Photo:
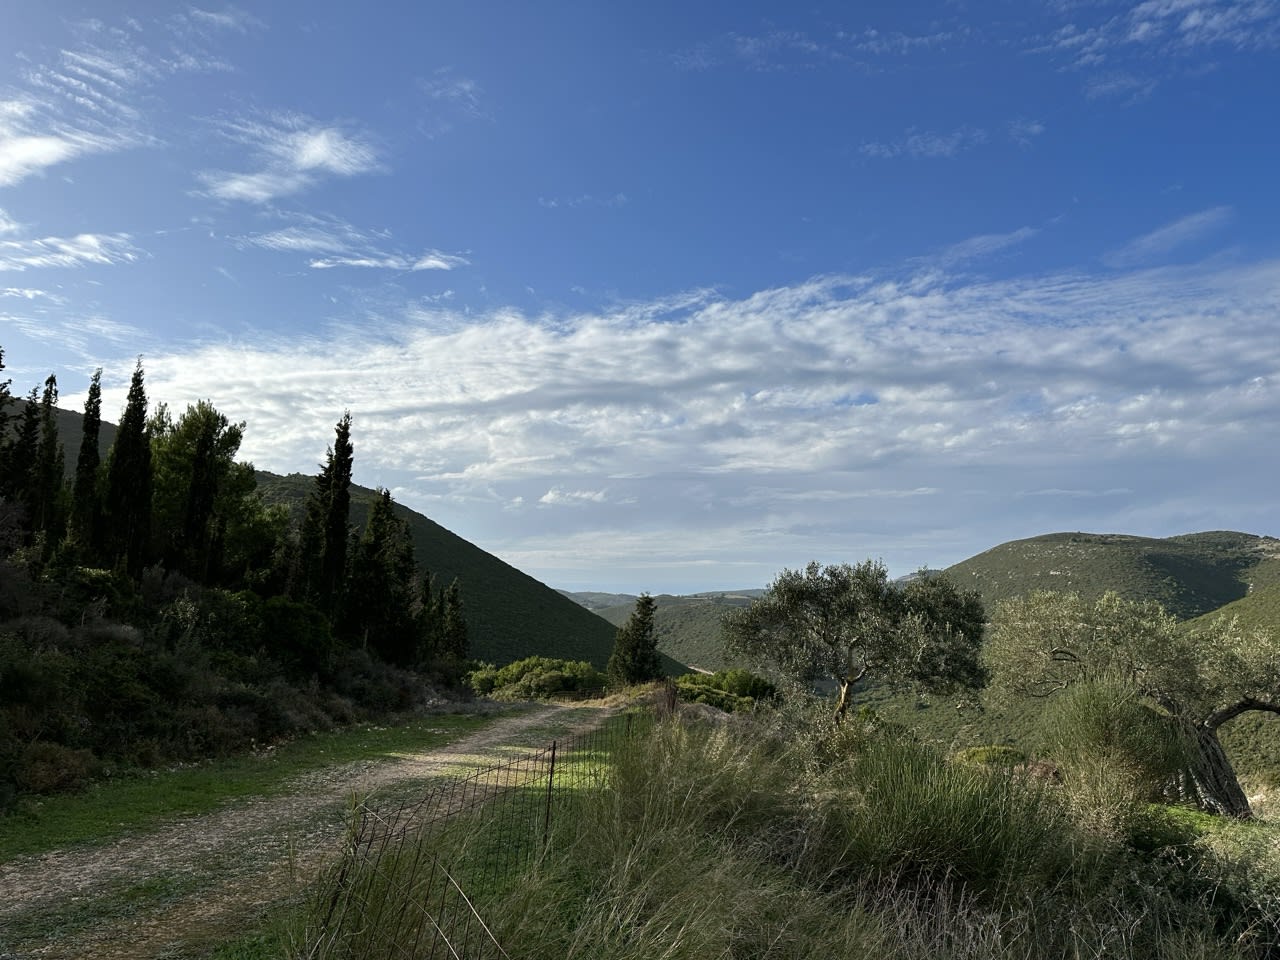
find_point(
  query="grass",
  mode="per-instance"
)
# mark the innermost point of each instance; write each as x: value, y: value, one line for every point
x: 735, y: 841
x: 117, y: 902
x: 109, y: 809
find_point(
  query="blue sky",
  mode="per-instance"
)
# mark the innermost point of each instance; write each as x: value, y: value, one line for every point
x: 670, y: 296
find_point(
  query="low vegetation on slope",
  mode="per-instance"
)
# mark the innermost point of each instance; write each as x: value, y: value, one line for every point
x: 1188, y: 575
x: 763, y: 838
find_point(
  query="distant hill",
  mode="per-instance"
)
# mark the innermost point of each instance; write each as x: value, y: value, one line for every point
x: 688, y: 627
x: 510, y: 615
x: 594, y: 600
x: 1190, y: 574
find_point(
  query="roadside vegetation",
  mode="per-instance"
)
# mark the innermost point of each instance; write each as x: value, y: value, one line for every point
x: 776, y: 835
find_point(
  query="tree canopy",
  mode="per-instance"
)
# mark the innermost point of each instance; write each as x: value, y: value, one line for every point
x: 847, y: 623
x: 635, y: 649
x: 1046, y: 642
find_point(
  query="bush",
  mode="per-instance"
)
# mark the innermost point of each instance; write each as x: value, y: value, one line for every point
x: 728, y: 690
x: 1116, y: 752
x: 45, y: 767
x: 535, y: 678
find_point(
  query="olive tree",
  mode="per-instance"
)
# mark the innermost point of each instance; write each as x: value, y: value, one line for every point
x: 1046, y: 642
x: 850, y: 623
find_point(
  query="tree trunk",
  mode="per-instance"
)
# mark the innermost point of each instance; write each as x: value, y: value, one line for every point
x: 842, y: 706
x: 1212, y: 781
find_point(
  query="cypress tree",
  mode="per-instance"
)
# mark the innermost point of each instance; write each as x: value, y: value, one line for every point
x: 635, y: 650
x: 325, y: 528
x: 20, y: 459
x: 127, y: 503
x: 4, y: 419
x: 46, y: 479
x: 379, y: 594
x: 453, y: 629
x: 86, y: 505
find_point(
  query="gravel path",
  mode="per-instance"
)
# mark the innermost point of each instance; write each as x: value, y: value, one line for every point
x: 200, y: 880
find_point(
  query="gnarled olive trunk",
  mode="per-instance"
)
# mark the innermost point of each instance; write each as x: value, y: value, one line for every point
x: 1211, y: 781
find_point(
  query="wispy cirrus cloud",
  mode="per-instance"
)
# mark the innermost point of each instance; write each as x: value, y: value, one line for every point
x: 1164, y: 240
x: 228, y: 18
x: 293, y: 153
x: 1023, y: 131
x: 88, y: 98
x: 336, y: 243
x: 929, y: 144
x: 985, y: 245
x: 950, y: 393
x: 84, y: 249
x: 779, y: 49
x: 1119, y: 52
x: 584, y: 200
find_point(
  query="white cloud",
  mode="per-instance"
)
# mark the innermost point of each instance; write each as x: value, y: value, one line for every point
x: 77, y: 251
x: 294, y: 153
x: 985, y: 245
x: 926, y: 143
x: 1164, y: 240
x: 807, y: 417
x: 230, y: 18
x: 8, y: 224
x: 448, y: 88
x: 87, y: 100
x: 584, y: 200
x: 1024, y: 131
x: 558, y: 497
x: 346, y: 246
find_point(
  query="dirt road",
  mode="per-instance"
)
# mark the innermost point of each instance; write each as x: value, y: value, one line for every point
x: 179, y: 890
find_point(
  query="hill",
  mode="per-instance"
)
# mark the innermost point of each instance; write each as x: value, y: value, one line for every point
x: 688, y: 627
x: 510, y: 615
x: 1190, y: 574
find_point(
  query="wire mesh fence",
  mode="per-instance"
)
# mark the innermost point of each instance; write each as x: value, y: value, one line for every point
x: 398, y: 891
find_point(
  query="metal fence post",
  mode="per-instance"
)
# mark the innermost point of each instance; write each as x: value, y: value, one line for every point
x: 551, y: 776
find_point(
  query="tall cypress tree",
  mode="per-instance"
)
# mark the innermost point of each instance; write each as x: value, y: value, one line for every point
x: 326, y: 526
x: 127, y: 502
x: 86, y: 504
x: 20, y: 454
x: 4, y: 416
x: 453, y: 631
x: 46, y: 493
x: 379, y: 593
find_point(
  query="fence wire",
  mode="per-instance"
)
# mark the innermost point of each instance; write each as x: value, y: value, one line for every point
x: 391, y: 896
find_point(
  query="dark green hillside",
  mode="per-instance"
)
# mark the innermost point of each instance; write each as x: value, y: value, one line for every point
x: 1260, y: 607
x: 688, y: 628
x: 1190, y: 574
x: 510, y: 615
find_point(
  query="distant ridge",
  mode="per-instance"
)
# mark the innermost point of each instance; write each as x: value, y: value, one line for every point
x: 1190, y: 575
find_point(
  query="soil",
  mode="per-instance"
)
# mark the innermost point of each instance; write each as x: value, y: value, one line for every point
x: 206, y: 879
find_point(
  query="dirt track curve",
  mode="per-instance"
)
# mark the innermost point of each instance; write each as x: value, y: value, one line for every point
x: 203, y: 879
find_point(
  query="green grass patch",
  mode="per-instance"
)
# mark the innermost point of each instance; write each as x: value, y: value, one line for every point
x: 109, y: 809
x: 65, y: 920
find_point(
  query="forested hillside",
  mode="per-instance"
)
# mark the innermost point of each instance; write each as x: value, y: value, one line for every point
x: 160, y: 600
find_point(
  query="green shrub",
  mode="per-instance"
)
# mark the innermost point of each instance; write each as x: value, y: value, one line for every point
x: 728, y: 690
x: 45, y: 767
x: 535, y: 678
